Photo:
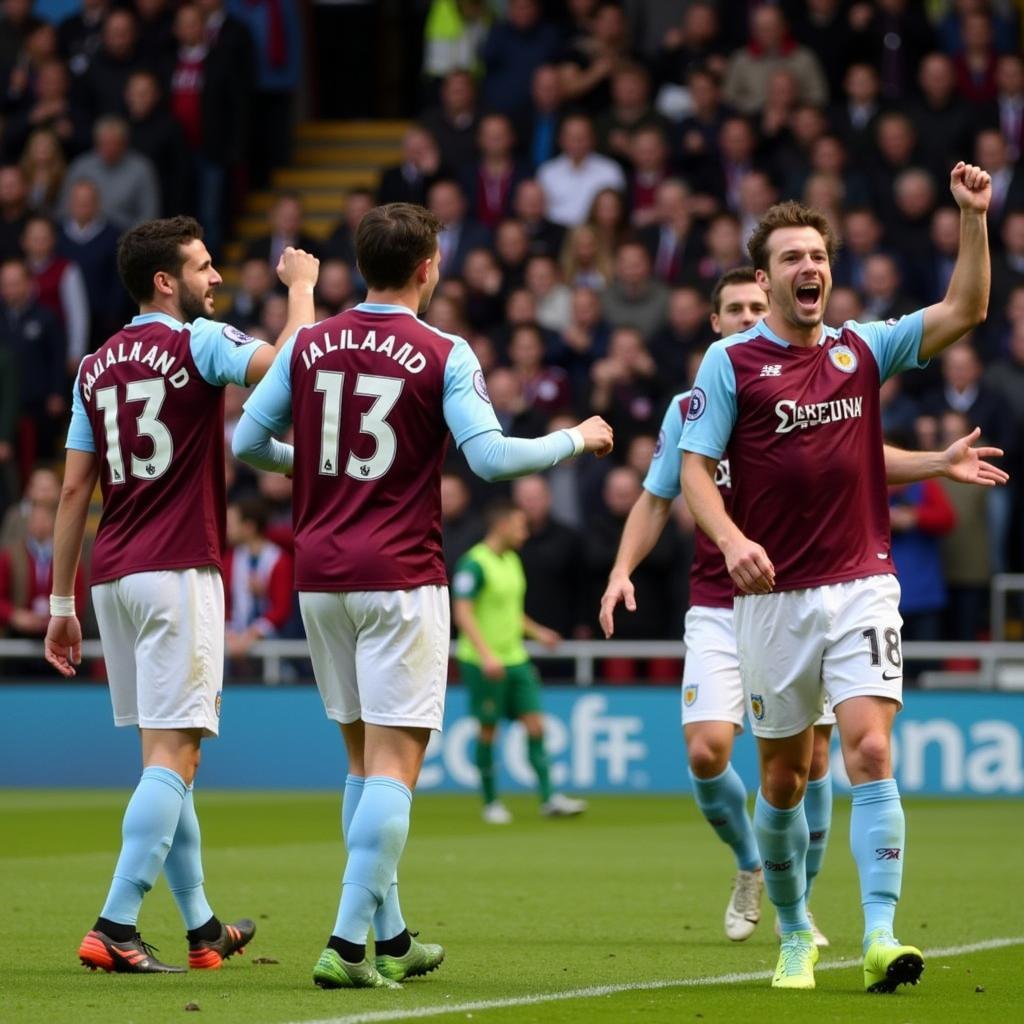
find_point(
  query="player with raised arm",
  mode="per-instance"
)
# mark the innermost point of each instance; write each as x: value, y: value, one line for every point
x: 712, y: 691
x: 148, y: 421
x: 795, y: 405
x: 373, y: 394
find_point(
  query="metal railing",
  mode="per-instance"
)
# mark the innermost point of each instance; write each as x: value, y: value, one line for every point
x: 1000, y: 663
x: 1003, y: 584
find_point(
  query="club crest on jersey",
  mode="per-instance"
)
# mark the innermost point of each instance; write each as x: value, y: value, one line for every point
x: 757, y: 706
x: 843, y: 358
x: 690, y: 695
x: 480, y: 386
x: 698, y: 403
x: 660, y: 446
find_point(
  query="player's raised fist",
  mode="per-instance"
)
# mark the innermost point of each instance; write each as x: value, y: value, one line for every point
x: 296, y: 266
x: 971, y: 187
x: 597, y: 436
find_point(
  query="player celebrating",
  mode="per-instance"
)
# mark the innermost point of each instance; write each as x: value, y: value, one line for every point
x: 795, y: 404
x: 148, y: 420
x: 489, y: 587
x: 712, y: 691
x: 373, y: 393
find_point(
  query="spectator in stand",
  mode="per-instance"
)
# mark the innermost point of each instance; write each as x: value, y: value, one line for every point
x: 771, y: 47
x: 447, y: 314
x: 757, y: 193
x: 32, y: 333
x: 630, y: 112
x: 257, y: 579
x: 893, y: 36
x: 514, y: 48
x: 539, y: 125
x: 490, y: 182
x: 572, y: 180
x: 780, y: 100
x: 516, y: 416
x: 627, y: 386
x: 461, y: 527
x: 17, y: 22
x: 649, y: 160
x: 335, y: 289
x: 530, y: 206
x: 103, y: 85
x: 724, y: 250
x: 945, y: 121
x: 59, y: 286
x: 454, y: 31
x: 693, y: 42
x: 931, y: 276
x: 698, y: 131
x: 454, y: 123
x: 14, y: 210
x: 551, y: 295
x: 685, y: 333
x: 855, y: 118
x: 285, y: 222
x: 829, y: 156
x: 976, y: 63
x: 512, y: 248
x: 460, y: 235
x: 26, y: 576
x: 43, y: 167
x: 915, y: 194
x: 545, y: 388
x: 553, y: 560
x: 1008, y: 264
x: 824, y: 31
x: 845, y: 304
x: 719, y: 179
x: 896, y: 152
x: 483, y: 278
x: 635, y: 298
x: 79, y: 36
x: 41, y: 487
x: 1006, y: 111
x: 583, y: 339
x: 156, y: 133
x: 341, y: 243
x: 825, y: 193
x: 609, y: 217
x: 89, y: 241
x: 421, y: 166
x: 127, y: 182
x: 585, y: 262
x: 884, y: 298
x: 50, y: 108
x: 993, y: 155
x: 594, y: 58
x: 155, y: 33
x: 900, y: 412
x: 862, y: 237
x: 255, y: 286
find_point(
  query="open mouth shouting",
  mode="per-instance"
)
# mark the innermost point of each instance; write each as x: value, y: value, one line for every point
x: 808, y: 295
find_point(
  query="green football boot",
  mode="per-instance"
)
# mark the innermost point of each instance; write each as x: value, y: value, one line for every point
x: 333, y: 972
x: 887, y: 964
x: 419, y: 958
x: 797, y: 956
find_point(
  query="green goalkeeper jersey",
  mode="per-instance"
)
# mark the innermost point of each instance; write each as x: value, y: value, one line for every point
x: 496, y: 584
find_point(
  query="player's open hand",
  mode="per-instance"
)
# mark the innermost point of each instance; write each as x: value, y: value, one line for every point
x: 63, y: 645
x: 750, y: 567
x: 597, y: 436
x: 296, y: 266
x: 971, y: 187
x: 620, y: 588
x: 967, y: 465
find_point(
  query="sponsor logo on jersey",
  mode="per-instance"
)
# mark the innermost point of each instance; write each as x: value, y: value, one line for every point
x: 771, y: 370
x: 237, y: 337
x: 660, y: 446
x: 816, y: 414
x: 757, y: 706
x: 887, y: 853
x: 698, y: 403
x: 690, y: 695
x: 843, y: 358
x: 480, y: 385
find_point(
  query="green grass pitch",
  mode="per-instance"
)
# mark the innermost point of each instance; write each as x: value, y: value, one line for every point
x: 631, y: 894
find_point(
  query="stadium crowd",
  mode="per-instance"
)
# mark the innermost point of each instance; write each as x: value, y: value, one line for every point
x: 598, y: 166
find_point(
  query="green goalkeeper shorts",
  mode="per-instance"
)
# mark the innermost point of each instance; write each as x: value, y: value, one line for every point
x: 512, y: 697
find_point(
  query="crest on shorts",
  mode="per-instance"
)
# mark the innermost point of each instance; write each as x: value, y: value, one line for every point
x: 690, y: 695
x: 216, y: 703
x: 843, y: 358
x: 757, y: 706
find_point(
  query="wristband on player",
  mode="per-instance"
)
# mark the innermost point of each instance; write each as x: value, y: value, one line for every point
x: 62, y: 606
x: 576, y: 436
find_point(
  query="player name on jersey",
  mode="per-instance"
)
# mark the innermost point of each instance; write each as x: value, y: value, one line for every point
x: 162, y: 361
x: 345, y: 339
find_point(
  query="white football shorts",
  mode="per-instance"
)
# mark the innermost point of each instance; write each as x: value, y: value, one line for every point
x: 163, y: 644
x: 380, y: 655
x: 799, y: 648
x: 712, y: 688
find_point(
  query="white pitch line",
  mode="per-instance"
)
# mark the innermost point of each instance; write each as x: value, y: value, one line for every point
x: 418, y: 1012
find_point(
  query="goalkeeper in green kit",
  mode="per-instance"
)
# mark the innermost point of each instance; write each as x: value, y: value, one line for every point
x: 489, y: 587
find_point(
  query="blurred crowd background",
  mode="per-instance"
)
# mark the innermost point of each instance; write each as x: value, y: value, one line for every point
x: 598, y: 166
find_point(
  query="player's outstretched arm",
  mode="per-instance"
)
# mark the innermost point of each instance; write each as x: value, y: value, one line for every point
x: 965, y: 304
x: 298, y: 271
x: 253, y: 443
x: 63, y: 644
x: 643, y: 527
x: 748, y: 563
x: 960, y: 461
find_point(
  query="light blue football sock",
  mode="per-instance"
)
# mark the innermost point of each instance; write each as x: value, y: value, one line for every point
x: 376, y: 838
x: 877, y: 839
x: 782, y: 839
x: 147, y: 831
x: 723, y: 802
x: 388, y: 921
x: 183, y: 868
x: 818, y: 808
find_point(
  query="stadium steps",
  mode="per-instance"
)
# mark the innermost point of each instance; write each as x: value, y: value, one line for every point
x: 329, y: 159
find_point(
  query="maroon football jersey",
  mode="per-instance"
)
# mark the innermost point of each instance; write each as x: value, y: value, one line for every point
x: 368, y: 394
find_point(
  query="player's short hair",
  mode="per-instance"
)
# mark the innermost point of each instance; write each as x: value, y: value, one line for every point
x: 788, y: 215
x: 152, y: 247
x: 391, y: 242
x: 738, y: 275
x: 499, y: 510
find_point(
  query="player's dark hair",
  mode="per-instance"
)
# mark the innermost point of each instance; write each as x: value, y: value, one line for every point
x: 738, y: 275
x: 392, y: 241
x: 151, y: 248
x: 498, y: 510
x: 788, y: 215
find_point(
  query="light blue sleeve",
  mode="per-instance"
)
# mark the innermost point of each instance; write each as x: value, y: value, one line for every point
x: 467, y: 406
x: 662, y: 478
x: 221, y: 352
x: 493, y: 456
x: 270, y: 403
x: 895, y: 344
x: 80, y: 431
x: 252, y: 443
x: 713, y: 406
